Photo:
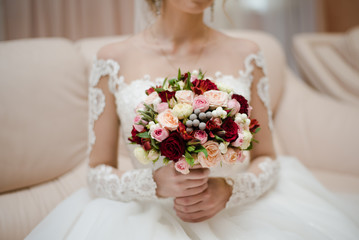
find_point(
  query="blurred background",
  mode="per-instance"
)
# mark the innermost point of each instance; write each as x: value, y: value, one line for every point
x: 75, y: 19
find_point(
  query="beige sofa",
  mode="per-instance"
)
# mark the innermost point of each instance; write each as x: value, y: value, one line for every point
x: 43, y: 119
x: 329, y: 62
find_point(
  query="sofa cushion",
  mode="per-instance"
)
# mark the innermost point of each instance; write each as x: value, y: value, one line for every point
x: 320, y: 131
x: 43, y: 111
x: 22, y: 210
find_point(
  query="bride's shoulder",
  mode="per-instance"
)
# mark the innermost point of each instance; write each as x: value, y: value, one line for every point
x: 237, y: 45
x: 119, y: 50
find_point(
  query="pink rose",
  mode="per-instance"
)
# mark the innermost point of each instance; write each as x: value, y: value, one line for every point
x: 216, y: 98
x: 184, y: 96
x: 152, y: 98
x: 182, y: 166
x: 200, y: 102
x: 234, y: 105
x: 161, y: 107
x: 239, y: 141
x: 137, y: 124
x: 230, y: 156
x: 214, y: 155
x: 168, y: 120
x: 201, y: 135
x: 160, y: 134
x: 240, y: 156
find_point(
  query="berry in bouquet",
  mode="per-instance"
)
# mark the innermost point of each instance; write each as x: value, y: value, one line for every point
x: 192, y: 120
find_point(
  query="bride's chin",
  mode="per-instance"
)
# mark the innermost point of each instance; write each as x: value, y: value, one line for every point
x: 192, y: 6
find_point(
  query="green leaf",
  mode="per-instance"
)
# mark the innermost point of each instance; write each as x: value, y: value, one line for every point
x: 219, y: 138
x: 143, y: 135
x: 249, y: 147
x: 200, y: 74
x: 159, y: 90
x: 191, y: 148
x: 189, y: 158
x: 202, y: 149
x: 179, y: 74
x: 257, y: 130
x: 164, y: 82
x: 154, y: 145
x: 166, y: 160
x: 188, y: 84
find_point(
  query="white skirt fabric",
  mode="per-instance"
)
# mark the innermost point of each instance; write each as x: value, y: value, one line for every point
x: 298, y: 207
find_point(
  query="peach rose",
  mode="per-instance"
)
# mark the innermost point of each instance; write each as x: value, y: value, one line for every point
x: 168, y: 120
x: 214, y: 155
x: 240, y: 155
x: 184, y: 96
x: 231, y: 156
x: 216, y: 98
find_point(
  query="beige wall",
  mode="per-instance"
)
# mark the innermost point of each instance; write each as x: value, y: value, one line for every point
x: 72, y: 19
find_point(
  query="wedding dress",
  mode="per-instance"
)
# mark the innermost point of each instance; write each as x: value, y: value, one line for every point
x: 284, y: 202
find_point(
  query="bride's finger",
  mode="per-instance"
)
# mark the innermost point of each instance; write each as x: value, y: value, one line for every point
x: 190, y: 200
x: 199, y: 173
x: 193, y: 191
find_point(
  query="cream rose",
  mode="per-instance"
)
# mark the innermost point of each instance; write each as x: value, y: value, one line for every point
x: 184, y: 96
x: 224, y: 88
x: 141, y: 155
x: 168, y: 120
x: 214, y: 155
x: 216, y: 98
x: 182, y: 110
x: 153, y: 155
x: 247, y: 138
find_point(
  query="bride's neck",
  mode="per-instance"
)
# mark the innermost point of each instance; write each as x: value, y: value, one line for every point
x: 179, y: 27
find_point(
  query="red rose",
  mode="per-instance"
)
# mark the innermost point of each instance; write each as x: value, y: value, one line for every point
x: 150, y: 90
x: 173, y: 147
x: 201, y: 86
x: 134, y: 138
x: 166, y: 95
x: 231, y: 129
x: 243, y: 101
x: 254, y: 125
x: 146, y: 144
x: 214, y: 124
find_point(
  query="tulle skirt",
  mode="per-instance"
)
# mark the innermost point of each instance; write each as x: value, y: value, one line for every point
x: 297, y: 207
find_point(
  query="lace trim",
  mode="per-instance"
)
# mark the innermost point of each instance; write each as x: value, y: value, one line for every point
x: 132, y: 185
x: 247, y: 187
x: 263, y: 93
x: 263, y: 84
x: 96, y: 96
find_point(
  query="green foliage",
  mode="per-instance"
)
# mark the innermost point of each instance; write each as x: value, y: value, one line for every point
x: 201, y: 149
x: 143, y: 135
x: 189, y: 158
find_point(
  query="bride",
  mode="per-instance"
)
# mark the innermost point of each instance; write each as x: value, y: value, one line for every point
x: 252, y: 200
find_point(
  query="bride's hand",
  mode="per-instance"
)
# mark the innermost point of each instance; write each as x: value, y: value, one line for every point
x: 206, y: 204
x: 171, y: 183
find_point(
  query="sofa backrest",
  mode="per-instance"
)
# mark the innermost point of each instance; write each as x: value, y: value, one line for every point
x: 43, y: 111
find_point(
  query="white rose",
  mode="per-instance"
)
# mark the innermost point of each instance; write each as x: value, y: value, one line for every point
x: 141, y: 155
x: 181, y: 84
x: 223, y: 147
x: 182, y: 110
x: 150, y: 125
x: 247, y: 137
x: 224, y: 88
x: 153, y: 155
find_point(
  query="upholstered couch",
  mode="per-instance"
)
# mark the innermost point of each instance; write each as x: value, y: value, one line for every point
x: 329, y: 62
x: 43, y: 119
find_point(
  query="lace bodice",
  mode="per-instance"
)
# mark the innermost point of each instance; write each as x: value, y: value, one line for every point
x: 128, y: 96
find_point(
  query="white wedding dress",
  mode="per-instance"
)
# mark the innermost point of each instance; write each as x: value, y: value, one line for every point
x: 284, y: 202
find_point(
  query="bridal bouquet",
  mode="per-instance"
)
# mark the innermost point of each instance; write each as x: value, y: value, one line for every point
x: 191, y: 120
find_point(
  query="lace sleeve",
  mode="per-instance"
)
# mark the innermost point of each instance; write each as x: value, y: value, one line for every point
x: 104, y: 180
x: 262, y: 172
x: 248, y: 186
